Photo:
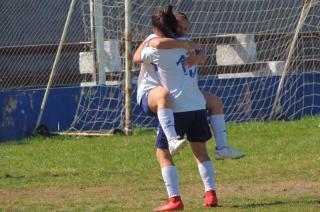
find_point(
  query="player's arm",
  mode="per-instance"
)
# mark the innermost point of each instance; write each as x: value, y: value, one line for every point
x: 194, y: 60
x: 137, y: 54
x: 148, y: 55
x: 169, y: 43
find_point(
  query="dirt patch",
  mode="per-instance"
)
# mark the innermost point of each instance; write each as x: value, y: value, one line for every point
x: 246, y: 189
x: 115, y: 195
x: 286, y: 187
x: 57, y: 194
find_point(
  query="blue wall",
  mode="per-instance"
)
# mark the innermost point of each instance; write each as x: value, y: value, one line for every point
x: 20, y: 108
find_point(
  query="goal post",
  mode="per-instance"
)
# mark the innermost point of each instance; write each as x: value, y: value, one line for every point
x: 128, y: 67
x: 97, y: 29
x: 276, y: 108
x: 55, y: 63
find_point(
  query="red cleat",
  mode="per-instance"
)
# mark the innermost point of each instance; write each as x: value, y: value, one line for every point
x: 172, y: 204
x: 211, y: 199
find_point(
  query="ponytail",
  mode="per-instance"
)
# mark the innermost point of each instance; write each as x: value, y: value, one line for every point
x: 165, y: 21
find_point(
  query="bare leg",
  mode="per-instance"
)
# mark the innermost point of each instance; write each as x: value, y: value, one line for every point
x: 159, y: 98
x: 213, y: 104
x: 164, y: 158
x: 159, y: 102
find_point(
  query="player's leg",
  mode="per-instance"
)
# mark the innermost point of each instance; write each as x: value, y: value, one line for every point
x: 160, y: 103
x: 206, y: 171
x: 217, y: 122
x: 198, y: 137
x: 169, y: 174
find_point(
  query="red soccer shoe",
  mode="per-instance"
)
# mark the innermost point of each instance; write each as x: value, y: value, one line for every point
x: 172, y: 204
x: 211, y: 199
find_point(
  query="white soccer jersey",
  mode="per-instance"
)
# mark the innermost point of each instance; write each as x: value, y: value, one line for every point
x: 181, y: 81
x: 148, y: 78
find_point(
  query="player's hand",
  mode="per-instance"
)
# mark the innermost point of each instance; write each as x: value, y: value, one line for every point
x: 190, y: 46
x: 192, y: 60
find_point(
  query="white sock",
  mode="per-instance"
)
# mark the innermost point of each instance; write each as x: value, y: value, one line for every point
x: 218, y: 125
x: 170, y: 177
x: 166, y: 120
x: 206, y: 171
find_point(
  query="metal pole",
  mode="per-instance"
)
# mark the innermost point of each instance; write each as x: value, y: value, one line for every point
x: 56, y: 61
x: 305, y: 10
x: 128, y: 65
x: 93, y: 41
x: 99, y: 38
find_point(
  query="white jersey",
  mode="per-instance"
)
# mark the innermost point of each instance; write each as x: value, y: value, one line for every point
x: 182, y: 82
x: 148, y: 78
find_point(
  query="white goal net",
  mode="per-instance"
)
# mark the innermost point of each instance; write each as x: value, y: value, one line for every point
x: 249, y: 44
x: 263, y: 57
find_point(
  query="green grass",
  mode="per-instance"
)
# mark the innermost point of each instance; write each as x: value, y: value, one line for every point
x: 281, y: 171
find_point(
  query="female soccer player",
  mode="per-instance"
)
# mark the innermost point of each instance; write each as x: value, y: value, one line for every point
x: 189, y: 109
x: 153, y: 98
x: 214, y: 104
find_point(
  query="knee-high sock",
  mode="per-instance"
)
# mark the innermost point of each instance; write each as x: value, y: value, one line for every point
x: 206, y: 171
x: 218, y: 125
x: 166, y: 120
x: 170, y: 177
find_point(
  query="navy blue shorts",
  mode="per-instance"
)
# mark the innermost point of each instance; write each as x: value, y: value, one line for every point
x: 192, y: 123
x: 144, y: 104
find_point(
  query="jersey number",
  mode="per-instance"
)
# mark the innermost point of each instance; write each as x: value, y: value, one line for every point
x: 190, y: 72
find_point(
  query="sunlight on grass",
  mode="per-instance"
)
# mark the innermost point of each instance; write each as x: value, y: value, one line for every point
x: 280, y: 171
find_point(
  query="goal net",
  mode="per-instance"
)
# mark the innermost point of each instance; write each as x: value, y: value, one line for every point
x: 249, y: 44
x: 263, y: 55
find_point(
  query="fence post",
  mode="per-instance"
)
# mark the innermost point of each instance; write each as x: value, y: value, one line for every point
x: 128, y: 65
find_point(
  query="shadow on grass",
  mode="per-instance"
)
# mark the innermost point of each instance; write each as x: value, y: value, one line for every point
x: 8, y: 175
x: 277, y: 203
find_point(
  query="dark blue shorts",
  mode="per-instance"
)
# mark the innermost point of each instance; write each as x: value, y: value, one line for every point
x: 144, y: 104
x: 192, y: 123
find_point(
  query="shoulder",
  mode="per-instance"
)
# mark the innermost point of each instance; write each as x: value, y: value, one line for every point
x: 149, y: 53
x: 150, y: 37
x: 149, y: 49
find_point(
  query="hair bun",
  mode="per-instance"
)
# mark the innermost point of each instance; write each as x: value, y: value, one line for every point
x: 168, y: 9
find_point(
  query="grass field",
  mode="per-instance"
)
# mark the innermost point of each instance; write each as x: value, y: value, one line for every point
x: 281, y: 172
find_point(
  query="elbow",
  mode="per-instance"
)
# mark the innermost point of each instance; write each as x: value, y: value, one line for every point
x: 155, y: 43
x: 136, y: 58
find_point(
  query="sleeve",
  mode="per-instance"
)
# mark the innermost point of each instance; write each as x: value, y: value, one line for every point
x: 151, y: 36
x: 149, y: 55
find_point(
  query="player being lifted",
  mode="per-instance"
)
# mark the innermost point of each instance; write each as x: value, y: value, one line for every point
x: 154, y: 99
x: 188, y: 105
x: 214, y: 104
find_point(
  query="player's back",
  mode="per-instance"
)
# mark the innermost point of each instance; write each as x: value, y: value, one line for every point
x: 179, y: 80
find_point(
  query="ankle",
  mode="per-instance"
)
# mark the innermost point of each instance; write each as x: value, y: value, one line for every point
x: 175, y: 198
x: 220, y: 147
x: 211, y: 193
